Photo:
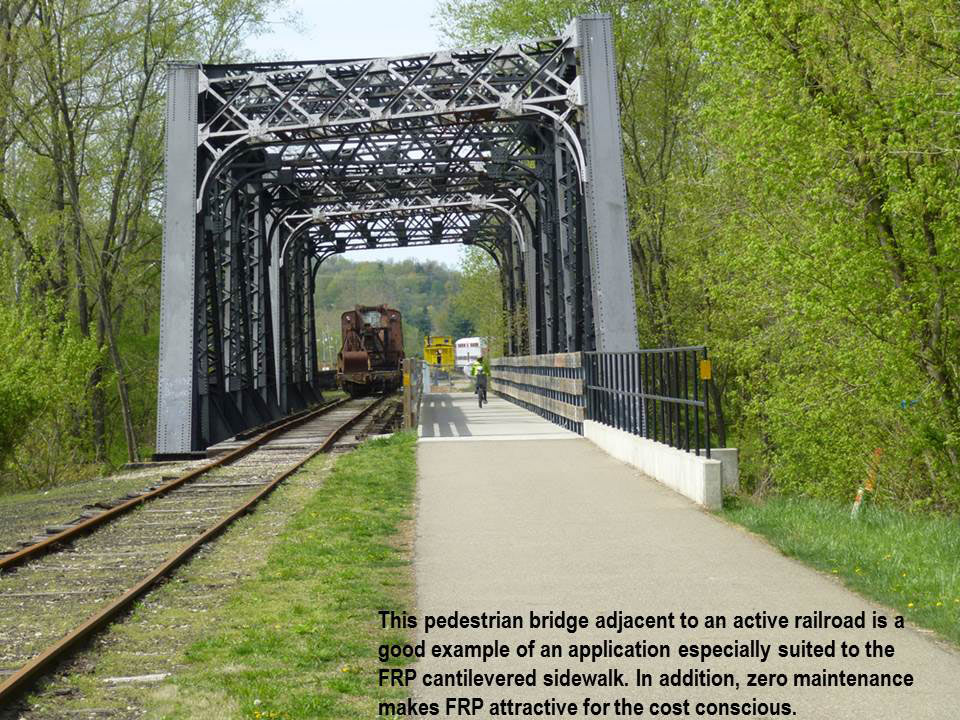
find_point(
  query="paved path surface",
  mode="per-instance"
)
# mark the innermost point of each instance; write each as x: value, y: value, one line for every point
x: 453, y: 416
x: 520, y: 525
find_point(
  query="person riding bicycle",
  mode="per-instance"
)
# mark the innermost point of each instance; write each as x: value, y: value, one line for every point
x: 481, y: 385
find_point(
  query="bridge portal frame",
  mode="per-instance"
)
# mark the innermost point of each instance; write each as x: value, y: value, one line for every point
x: 237, y: 341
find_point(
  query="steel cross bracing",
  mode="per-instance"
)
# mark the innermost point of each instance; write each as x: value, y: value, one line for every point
x: 273, y: 167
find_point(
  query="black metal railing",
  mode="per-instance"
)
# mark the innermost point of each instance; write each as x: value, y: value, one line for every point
x: 660, y: 394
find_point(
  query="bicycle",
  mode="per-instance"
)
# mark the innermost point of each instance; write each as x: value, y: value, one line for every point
x: 481, y: 395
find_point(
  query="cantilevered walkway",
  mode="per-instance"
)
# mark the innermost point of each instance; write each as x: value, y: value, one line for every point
x: 511, y: 522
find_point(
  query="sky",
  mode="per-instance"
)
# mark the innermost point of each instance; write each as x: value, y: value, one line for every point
x: 332, y: 29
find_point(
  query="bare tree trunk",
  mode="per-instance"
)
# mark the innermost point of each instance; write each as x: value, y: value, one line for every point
x: 59, y: 205
x: 123, y: 388
x: 98, y: 402
x: 97, y: 398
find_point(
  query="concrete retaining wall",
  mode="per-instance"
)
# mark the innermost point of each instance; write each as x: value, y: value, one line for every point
x: 696, y: 477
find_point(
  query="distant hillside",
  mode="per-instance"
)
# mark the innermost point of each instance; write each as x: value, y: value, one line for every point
x: 421, y: 291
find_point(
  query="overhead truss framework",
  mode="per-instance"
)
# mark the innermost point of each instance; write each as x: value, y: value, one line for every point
x: 273, y: 167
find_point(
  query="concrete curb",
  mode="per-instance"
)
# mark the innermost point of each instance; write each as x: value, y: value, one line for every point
x: 703, y: 481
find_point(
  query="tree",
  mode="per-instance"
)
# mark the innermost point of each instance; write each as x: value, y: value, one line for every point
x: 96, y: 75
x: 82, y: 98
x: 480, y: 300
x: 835, y: 134
x: 30, y: 355
x: 792, y: 184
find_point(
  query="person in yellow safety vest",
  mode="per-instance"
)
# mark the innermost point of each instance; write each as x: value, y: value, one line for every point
x: 480, y: 384
x: 478, y: 366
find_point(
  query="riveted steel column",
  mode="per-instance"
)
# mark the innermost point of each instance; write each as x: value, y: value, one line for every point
x: 175, y: 386
x: 276, y: 303
x: 566, y: 181
x: 605, y: 189
x: 532, y: 278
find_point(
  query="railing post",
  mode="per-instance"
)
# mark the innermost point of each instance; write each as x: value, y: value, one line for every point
x: 585, y: 380
x: 686, y: 398
x: 617, y: 392
x: 412, y: 392
x: 624, y: 398
x: 644, y: 388
x: 696, y: 410
x: 706, y: 406
x: 605, y: 384
x: 676, y: 394
x: 407, y: 415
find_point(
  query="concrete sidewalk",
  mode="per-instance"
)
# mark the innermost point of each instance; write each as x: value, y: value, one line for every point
x: 521, y: 525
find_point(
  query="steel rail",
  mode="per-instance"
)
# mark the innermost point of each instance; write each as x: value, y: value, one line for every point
x: 20, y: 681
x: 47, y: 545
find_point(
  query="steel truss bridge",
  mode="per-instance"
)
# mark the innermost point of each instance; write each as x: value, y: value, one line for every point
x: 273, y: 167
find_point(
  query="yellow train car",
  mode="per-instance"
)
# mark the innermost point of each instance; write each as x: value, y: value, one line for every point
x: 439, y: 350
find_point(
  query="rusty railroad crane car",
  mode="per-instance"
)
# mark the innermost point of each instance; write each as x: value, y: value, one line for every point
x: 371, y: 356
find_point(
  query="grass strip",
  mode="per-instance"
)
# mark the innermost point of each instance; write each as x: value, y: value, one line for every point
x: 300, y: 639
x: 907, y: 561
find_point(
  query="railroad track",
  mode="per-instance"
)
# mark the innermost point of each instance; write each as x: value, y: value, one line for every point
x: 56, y: 593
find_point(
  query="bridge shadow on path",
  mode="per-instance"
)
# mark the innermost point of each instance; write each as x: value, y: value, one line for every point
x: 457, y: 416
x: 440, y: 417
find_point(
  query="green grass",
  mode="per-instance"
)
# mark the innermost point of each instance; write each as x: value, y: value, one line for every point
x: 300, y: 639
x: 908, y: 561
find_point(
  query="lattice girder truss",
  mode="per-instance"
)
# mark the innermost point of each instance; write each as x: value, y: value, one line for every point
x: 273, y: 167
